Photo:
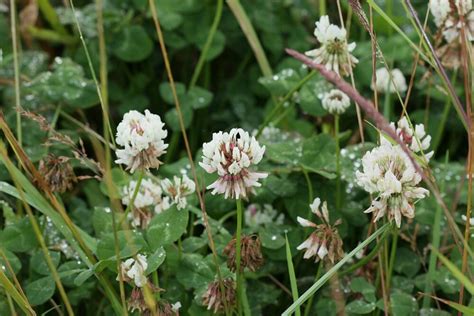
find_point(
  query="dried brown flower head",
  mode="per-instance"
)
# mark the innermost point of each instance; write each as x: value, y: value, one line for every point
x: 324, y: 242
x: 215, y: 300
x: 137, y: 301
x: 250, y: 253
x: 57, y: 172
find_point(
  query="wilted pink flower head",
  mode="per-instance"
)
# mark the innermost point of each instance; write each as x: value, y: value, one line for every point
x: 231, y: 155
x: 325, y: 241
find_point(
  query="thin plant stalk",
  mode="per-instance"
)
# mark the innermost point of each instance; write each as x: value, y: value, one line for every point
x: 310, y: 187
x: 387, y: 104
x: 238, y: 246
x: 351, y: 73
x: 251, y: 36
x: 393, y: 253
x: 435, y: 243
x: 271, y: 116
x: 134, y: 196
x: 94, y: 77
x: 292, y: 275
x: 322, y: 7
x: 156, y: 282
x: 338, y: 162
x: 207, y: 45
x: 16, y: 68
x: 309, y: 305
x: 331, y: 272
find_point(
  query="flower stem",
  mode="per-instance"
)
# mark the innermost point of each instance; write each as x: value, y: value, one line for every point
x: 156, y: 283
x: 238, y: 237
x: 387, y: 105
x: 307, y: 309
x: 338, y: 163
x: 134, y: 196
x: 393, y: 253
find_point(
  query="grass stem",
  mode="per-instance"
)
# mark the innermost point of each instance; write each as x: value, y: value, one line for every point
x: 238, y: 246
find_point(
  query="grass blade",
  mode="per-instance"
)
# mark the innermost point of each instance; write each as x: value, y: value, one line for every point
x: 455, y: 271
x: 291, y: 272
x: 319, y: 283
x: 251, y: 35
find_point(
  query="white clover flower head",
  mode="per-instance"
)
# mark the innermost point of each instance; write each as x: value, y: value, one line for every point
x: 471, y: 220
x: 417, y: 140
x: 440, y: 10
x: 232, y: 155
x: 463, y: 6
x: 149, y: 197
x: 390, y: 82
x: 134, y: 269
x: 335, y: 101
x: 142, y: 137
x: 178, y: 190
x: 334, y: 52
x: 257, y: 215
x: 324, y: 242
x: 389, y: 174
x: 176, y: 306
x: 449, y: 21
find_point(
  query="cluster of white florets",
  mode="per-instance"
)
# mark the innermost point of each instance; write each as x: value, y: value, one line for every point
x: 134, y: 270
x: 178, y: 190
x: 389, y: 175
x: 389, y: 82
x: 449, y: 20
x: 334, y: 52
x: 142, y: 137
x: 335, y: 101
x: 325, y: 241
x: 257, y: 215
x: 232, y: 155
x: 415, y: 139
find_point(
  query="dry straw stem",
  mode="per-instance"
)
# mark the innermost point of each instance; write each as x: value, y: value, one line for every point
x: 382, y: 124
x: 185, y: 137
x: 439, y: 66
x: 251, y: 36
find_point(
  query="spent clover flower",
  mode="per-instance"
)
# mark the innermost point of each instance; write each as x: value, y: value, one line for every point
x: 334, y: 53
x: 417, y: 140
x: 142, y: 137
x: 251, y: 253
x: 231, y: 155
x: 149, y: 200
x: 178, y: 189
x: 390, y: 176
x: 335, y: 101
x: 450, y: 22
x: 389, y: 82
x: 217, y: 301
x: 257, y: 215
x: 324, y: 242
x: 57, y: 172
x: 133, y: 269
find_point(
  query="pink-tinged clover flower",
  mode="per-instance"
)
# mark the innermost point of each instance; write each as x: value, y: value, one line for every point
x: 232, y: 155
x: 142, y: 137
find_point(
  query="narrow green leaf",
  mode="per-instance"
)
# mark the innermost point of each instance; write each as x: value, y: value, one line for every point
x: 321, y: 281
x: 291, y: 272
x: 455, y: 271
